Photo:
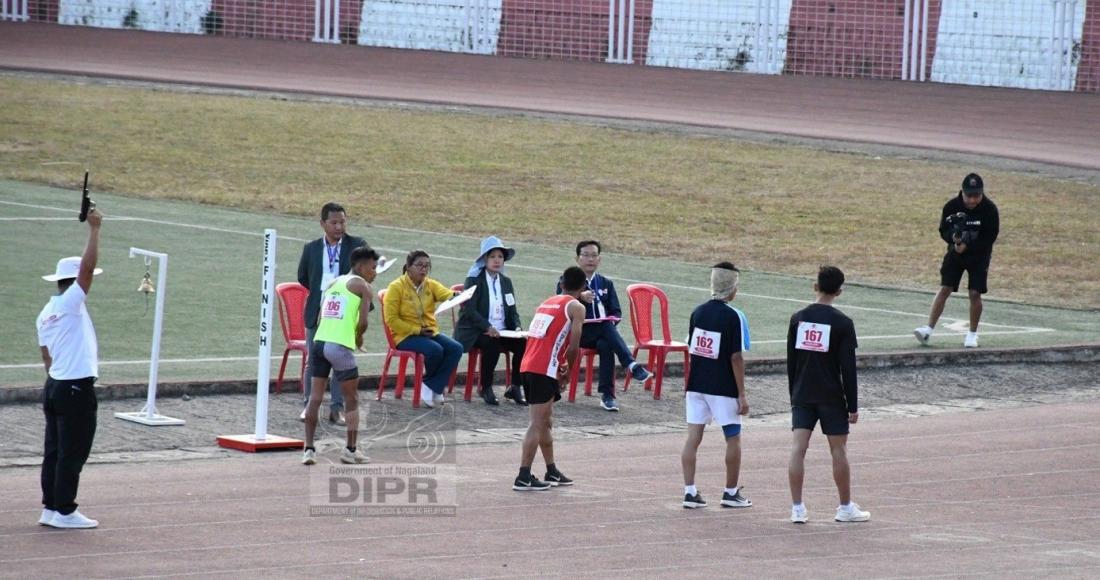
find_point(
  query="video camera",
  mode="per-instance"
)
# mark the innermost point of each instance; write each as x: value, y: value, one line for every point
x: 959, y: 232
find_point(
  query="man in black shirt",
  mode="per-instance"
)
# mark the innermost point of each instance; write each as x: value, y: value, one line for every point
x: 969, y: 225
x: 718, y: 335
x: 821, y: 375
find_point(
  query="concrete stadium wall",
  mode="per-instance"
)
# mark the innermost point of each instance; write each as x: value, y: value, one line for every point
x: 1010, y: 43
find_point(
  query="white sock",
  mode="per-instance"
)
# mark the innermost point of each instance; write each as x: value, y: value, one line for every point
x: 631, y: 366
x: 798, y: 505
x: 690, y: 490
x: 846, y: 505
x: 731, y: 490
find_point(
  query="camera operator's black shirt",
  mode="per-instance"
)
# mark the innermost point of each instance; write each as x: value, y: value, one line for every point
x: 826, y: 374
x: 984, y: 220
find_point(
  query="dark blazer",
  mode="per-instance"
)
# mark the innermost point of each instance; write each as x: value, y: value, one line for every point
x: 311, y: 269
x: 605, y: 290
x: 474, y: 317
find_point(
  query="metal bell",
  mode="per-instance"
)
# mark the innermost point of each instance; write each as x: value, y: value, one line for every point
x: 146, y: 286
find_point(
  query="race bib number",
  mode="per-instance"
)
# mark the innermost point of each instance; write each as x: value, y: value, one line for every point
x: 705, y: 343
x: 510, y: 299
x: 540, y: 325
x: 813, y: 337
x: 332, y: 307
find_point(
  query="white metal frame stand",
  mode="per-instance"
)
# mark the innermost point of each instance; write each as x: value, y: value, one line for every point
x: 148, y: 415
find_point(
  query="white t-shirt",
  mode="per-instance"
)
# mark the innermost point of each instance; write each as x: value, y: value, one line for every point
x: 65, y: 329
x: 496, y: 303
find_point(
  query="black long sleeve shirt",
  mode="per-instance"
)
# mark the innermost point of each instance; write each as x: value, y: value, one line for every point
x: 821, y: 357
x: 984, y: 219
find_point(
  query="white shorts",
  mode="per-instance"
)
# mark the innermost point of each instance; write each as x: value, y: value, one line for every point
x: 702, y: 408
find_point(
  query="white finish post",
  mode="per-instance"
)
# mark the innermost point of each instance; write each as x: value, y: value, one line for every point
x: 924, y: 39
x: 148, y: 415
x: 905, y: 43
x: 267, y: 306
x: 317, y: 20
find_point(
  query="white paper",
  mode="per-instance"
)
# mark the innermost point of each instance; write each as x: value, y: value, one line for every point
x: 464, y: 296
x: 384, y: 264
x: 513, y: 333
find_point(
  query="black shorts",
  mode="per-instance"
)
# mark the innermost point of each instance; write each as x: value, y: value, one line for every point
x: 833, y: 417
x: 954, y: 265
x: 539, y: 388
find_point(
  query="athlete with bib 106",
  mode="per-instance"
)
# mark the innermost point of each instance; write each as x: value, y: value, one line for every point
x: 342, y: 321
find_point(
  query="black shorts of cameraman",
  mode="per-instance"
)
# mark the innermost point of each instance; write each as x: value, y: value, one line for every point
x: 954, y: 264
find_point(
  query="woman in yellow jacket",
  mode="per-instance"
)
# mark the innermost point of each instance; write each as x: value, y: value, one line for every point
x: 409, y: 310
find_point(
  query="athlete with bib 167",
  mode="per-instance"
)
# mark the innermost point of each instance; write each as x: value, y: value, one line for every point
x: 821, y: 374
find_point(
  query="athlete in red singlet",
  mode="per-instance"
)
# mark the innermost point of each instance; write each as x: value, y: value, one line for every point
x: 552, y: 343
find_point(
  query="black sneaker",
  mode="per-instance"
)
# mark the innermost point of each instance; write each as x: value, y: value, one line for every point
x: 736, y: 500
x: 557, y: 479
x: 694, y: 501
x: 530, y: 484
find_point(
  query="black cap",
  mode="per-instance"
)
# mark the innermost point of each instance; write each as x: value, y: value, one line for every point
x: 972, y: 185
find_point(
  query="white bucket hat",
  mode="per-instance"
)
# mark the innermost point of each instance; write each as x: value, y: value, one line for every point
x: 68, y: 268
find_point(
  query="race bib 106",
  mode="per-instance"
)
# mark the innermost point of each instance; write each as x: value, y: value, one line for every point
x: 813, y: 337
x: 540, y: 325
x: 705, y: 343
x: 332, y: 307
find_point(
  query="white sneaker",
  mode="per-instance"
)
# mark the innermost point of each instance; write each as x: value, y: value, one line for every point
x: 356, y: 456
x: 437, y: 399
x: 309, y: 457
x: 47, y: 516
x: 427, y: 396
x: 75, y: 520
x: 798, y: 514
x: 923, y: 334
x: 971, y: 340
x: 851, y: 513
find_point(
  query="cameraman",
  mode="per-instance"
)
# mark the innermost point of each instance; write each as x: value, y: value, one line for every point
x: 969, y: 224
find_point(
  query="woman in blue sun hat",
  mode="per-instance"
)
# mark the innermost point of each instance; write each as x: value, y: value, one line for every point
x: 492, y: 310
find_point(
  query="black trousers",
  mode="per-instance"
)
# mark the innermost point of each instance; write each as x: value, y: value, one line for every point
x: 490, y: 356
x: 70, y: 408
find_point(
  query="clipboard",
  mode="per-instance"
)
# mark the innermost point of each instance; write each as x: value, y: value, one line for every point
x: 513, y: 333
x: 604, y: 319
x: 462, y: 297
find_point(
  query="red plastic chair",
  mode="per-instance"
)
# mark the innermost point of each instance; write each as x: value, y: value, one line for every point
x: 473, y: 366
x: 642, y: 297
x: 586, y: 355
x: 292, y: 319
x: 403, y: 357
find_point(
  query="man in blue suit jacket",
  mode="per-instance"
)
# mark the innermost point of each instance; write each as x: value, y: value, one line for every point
x: 602, y: 302
x: 323, y: 260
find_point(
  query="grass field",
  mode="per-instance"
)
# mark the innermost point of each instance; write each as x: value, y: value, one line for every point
x: 212, y: 294
x: 669, y: 196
